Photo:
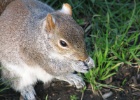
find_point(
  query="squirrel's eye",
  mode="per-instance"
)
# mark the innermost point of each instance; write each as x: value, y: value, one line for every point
x: 63, y: 43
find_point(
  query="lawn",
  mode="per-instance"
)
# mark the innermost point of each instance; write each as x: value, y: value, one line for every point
x: 112, y: 36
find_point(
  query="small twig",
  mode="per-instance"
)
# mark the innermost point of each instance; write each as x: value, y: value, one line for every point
x: 135, y: 88
x: 92, y: 89
x: 82, y: 95
x: 96, y: 93
x: 112, y: 87
x: 100, y: 93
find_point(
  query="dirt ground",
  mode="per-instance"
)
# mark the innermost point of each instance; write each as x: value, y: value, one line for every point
x: 127, y: 79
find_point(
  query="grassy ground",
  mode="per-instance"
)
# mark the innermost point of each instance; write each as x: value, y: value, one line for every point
x: 112, y: 35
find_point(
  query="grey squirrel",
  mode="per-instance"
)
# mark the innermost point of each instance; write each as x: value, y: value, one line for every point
x: 39, y: 43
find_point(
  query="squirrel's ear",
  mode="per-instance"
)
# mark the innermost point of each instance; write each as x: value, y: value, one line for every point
x: 50, y: 22
x: 66, y: 9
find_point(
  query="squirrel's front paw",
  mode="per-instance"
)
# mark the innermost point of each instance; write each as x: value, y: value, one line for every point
x: 80, y: 66
x: 28, y: 93
x: 73, y: 79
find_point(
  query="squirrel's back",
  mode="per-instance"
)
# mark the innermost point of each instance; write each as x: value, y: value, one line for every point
x: 15, y: 20
x: 20, y: 10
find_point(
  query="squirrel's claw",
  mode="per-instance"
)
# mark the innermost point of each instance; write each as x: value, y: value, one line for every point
x: 73, y: 79
x: 80, y: 67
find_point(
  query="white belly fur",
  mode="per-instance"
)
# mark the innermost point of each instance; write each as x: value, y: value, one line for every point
x: 28, y: 74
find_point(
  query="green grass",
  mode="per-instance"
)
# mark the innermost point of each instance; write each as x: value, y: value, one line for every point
x: 111, y: 33
x: 2, y: 84
x: 114, y: 38
x: 73, y: 97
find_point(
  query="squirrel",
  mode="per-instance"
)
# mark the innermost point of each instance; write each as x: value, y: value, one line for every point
x: 40, y: 43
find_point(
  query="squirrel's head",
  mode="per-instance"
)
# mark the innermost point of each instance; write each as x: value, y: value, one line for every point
x: 66, y: 37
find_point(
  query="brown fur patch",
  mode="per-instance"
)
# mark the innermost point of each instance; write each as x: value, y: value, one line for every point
x: 50, y: 25
x: 68, y: 7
